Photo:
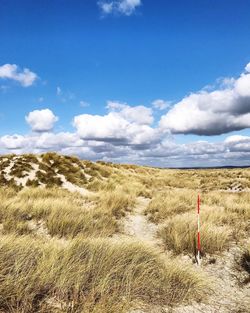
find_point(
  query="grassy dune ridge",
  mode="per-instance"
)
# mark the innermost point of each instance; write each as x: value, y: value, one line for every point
x: 62, y: 251
x: 65, y: 214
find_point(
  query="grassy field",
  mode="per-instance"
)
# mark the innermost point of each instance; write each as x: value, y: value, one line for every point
x: 63, y: 247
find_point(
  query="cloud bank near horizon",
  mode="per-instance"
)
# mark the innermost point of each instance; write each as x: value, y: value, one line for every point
x: 132, y: 134
x: 231, y: 151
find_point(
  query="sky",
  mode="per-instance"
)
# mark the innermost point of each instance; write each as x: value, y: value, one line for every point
x: 160, y: 83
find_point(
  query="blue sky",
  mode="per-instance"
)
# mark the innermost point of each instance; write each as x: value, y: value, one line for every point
x: 145, y: 57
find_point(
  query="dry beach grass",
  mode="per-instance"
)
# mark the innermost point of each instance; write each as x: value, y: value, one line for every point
x: 125, y: 240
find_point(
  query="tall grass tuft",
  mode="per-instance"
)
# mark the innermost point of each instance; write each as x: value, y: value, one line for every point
x: 180, y: 235
x: 87, y: 273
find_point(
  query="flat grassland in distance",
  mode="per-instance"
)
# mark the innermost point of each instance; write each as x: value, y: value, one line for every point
x: 78, y: 236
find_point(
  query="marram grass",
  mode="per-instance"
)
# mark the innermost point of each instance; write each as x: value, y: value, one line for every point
x: 86, y: 273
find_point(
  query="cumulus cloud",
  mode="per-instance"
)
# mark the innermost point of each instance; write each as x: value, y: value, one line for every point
x: 212, y: 112
x: 41, y: 120
x: 138, y: 114
x: 238, y: 143
x: 247, y: 68
x: 123, y: 125
x: 10, y: 142
x: 11, y: 71
x: 124, y: 7
x: 42, y: 142
x: 107, y: 128
x: 160, y: 104
x: 59, y: 140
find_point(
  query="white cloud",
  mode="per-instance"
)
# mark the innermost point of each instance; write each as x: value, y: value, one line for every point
x: 58, y: 140
x: 161, y: 105
x: 128, y: 7
x: 108, y: 127
x: 138, y: 114
x: 123, y: 125
x: 13, y: 142
x: 11, y: 71
x: 114, y: 129
x: 242, y: 86
x: 41, y: 141
x: 124, y: 7
x: 212, y: 113
x: 84, y: 104
x: 247, y: 68
x: 107, y: 8
x: 238, y: 143
x: 41, y: 120
x: 236, y: 138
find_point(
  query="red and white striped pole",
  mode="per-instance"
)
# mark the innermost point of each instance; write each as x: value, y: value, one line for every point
x: 198, y: 233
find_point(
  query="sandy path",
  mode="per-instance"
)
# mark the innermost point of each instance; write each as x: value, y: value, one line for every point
x: 136, y: 225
